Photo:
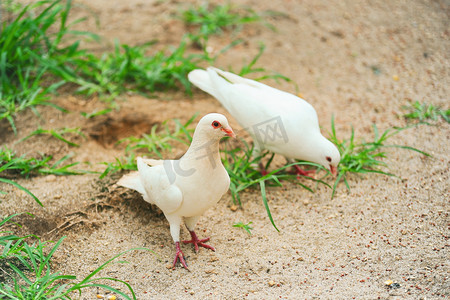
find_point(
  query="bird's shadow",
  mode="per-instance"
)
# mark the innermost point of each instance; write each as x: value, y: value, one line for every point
x: 144, y: 214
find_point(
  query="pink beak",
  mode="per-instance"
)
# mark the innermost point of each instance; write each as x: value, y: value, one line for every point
x: 333, y: 170
x: 229, y: 132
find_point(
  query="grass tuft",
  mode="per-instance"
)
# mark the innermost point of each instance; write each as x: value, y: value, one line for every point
x: 34, y: 61
x: 131, y: 69
x: 11, y: 166
x: 160, y: 140
x: 423, y: 112
x: 248, y: 69
x: 161, y: 137
x: 57, y: 133
x: 30, y: 43
x: 208, y: 20
x: 96, y: 113
x: 247, y: 227
x: 30, y: 275
x: 364, y: 157
x: 243, y: 168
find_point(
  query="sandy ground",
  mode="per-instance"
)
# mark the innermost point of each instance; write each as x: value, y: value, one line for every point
x: 343, y: 248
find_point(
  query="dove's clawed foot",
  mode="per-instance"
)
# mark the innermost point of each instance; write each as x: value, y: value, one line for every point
x: 198, y: 242
x: 301, y: 172
x: 179, y: 256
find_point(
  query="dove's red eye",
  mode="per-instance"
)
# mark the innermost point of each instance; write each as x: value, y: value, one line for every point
x: 328, y: 158
x: 215, y: 124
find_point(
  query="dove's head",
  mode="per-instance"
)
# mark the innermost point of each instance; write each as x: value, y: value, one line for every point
x: 215, y: 125
x: 328, y: 156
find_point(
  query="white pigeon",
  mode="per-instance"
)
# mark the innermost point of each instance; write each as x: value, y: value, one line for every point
x: 186, y: 188
x: 276, y: 120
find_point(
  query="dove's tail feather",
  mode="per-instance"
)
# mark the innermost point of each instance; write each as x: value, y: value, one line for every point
x: 202, y: 80
x: 233, y: 78
x: 132, y: 181
x: 216, y: 82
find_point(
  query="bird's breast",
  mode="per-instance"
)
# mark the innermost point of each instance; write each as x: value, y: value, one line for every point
x: 202, y: 189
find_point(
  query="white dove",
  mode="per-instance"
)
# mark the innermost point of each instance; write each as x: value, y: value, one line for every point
x: 276, y: 120
x: 186, y: 188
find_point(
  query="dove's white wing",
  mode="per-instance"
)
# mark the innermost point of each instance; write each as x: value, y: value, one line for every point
x: 278, y: 121
x: 251, y: 102
x: 158, y: 188
x: 238, y: 98
x: 255, y: 106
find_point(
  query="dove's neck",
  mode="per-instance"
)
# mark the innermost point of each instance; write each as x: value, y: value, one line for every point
x: 203, y: 149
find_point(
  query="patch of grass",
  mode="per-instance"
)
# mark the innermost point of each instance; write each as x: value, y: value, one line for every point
x: 160, y: 137
x: 126, y: 163
x: 247, y: 227
x: 96, y: 113
x: 39, y: 52
x: 424, y: 112
x: 160, y: 140
x: 215, y: 19
x: 248, y: 69
x: 243, y: 168
x: 34, y: 64
x: 364, y: 157
x: 57, y: 133
x: 30, y: 275
x: 11, y: 165
x: 11, y: 243
x: 130, y: 69
x: 28, y: 44
x: 210, y: 19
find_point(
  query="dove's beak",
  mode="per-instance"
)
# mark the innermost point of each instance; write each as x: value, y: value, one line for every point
x: 333, y: 170
x: 229, y: 132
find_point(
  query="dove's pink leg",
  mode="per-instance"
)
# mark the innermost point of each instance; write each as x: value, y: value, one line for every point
x: 179, y: 256
x: 302, y: 172
x: 198, y: 242
x: 262, y: 169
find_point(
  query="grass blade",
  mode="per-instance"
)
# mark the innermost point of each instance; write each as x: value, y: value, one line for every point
x: 22, y: 188
x: 266, y: 205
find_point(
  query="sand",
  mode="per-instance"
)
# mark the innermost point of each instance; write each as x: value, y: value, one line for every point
x: 359, y: 61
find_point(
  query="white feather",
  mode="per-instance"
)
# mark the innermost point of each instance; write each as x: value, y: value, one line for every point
x: 277, y: 121
x: 187, y: 187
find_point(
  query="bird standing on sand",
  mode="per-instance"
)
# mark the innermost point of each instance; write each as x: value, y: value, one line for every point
x: 186, y: 188
x: 276, y: 120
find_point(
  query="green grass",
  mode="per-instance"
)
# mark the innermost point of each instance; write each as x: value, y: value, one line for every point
x: 34, y: 64
x: 249, y: 68
x: 28, y: 44
x: 425, y: 112
x: 161, y: 137
x: 160, y: 140
x: 125, y: 163
x: 243, y: 168
x: 130, y: 69
x: 96, y: 113
x: 39, y: 52
x: 208, y: 20
x: 11, y: 166
x: 58, y: 134
x: 29, y: 272
x: 247, y: 227
x: 363, y: 157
